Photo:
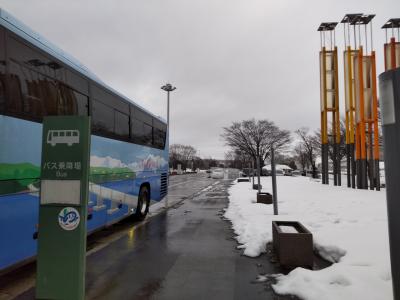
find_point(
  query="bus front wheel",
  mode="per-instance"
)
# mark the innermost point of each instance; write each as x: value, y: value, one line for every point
x: 142, y: 207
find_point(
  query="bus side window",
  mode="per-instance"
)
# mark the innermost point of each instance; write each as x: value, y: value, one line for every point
x: 136, y: 130
x: 103, y: 118
x: 2, y: 87
x: 31, y: 94
x: 77, y: 82
x: 82, y: 104
x: 159, y: 134
x: 14, y: 99
x: 159, y: 138
x: 27, y: 92
x: 142, y: 129
x: 71, y: 102
x: 142, y: 133
x: 49, y: 94
x: 66, y: 104
x: 121, y: 124
x: 147, y: 135
x: 29, y: 89
x: 33, y: 90
x: 2, y: 70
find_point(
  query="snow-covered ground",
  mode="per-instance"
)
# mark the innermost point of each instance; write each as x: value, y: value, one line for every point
x: 349, y: 228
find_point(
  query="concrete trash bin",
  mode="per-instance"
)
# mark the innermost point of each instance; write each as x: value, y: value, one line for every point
x: 293, y: 244
x: 265, y: 198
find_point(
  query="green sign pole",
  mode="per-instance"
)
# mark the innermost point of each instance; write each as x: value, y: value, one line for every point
x: 63, y: 208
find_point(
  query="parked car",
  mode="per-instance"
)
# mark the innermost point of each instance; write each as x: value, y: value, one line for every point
x: 296, y: 173
x: 217, y: 173
x: 287, y: 172
x: 265, y: 172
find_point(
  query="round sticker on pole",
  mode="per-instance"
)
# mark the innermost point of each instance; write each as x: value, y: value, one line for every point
x: 69, y: 218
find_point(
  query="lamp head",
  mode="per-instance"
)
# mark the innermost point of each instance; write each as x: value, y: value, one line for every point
x: 168, y: 87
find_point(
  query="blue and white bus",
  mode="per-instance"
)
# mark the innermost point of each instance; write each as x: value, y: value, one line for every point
x: 129, y: 146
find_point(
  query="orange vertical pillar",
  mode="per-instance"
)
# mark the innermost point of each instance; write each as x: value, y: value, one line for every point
x: 375, y: 124
x: 361, y: 123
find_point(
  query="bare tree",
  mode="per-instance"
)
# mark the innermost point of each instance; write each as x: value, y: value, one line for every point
x: 181, y: 154
x: 255, y: 138
x: 301, y: 156
x: 310, y: 143
x: 230, y: 159
x: 237, y: 159
x: 198, y: 163
x: 210, y: 162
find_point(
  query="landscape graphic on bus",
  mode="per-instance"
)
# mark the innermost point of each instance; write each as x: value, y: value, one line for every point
x: 109, y: 160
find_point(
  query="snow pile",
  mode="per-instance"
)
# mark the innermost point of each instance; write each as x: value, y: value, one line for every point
x: 277, y: 167
x: 349, y: 229
x: 288, y: 229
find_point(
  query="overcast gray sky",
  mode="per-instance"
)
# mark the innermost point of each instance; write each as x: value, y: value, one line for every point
x: 229, y: 59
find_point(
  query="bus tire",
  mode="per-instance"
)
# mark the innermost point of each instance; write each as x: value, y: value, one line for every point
x: 143, y: 204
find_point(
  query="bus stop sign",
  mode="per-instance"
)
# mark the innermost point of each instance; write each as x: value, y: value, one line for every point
x: 63, y: 208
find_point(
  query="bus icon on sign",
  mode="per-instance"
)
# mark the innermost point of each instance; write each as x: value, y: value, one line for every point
x: 68, y: 137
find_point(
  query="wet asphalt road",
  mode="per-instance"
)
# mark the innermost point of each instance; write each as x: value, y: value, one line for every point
x: 185, y: 252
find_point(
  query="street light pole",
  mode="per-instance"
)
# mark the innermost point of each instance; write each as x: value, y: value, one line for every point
x: 273, y: 174
x: 168, y: 88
